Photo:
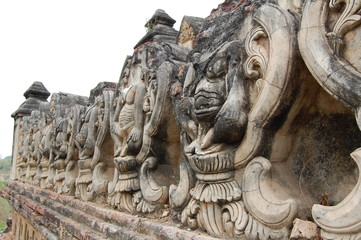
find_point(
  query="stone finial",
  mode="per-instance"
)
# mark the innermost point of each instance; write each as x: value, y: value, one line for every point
x: 35, y: 95
x: 98, y: 90
x: 160, y: 29
x: 160, y: 17
x: 38, y: 91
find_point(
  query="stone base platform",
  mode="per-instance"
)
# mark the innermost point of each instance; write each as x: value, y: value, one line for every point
x: 63, y: 217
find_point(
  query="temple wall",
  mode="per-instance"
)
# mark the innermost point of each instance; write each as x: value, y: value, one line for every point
x: 242, y: 125
x: 23, y: 229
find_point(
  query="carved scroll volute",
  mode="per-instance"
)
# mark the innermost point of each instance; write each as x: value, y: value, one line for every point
x: 256, y: 64
x: 103, y: 127
x: 275, y: 69
x: 262, y: 202
x: 334, y: 74
x: 151, y: 191
x: 342, y: 81
x: 343, y: 219
x: 348, y: 20
x: 155, y: 107
x: 73, y: 154
x: 99, y: 182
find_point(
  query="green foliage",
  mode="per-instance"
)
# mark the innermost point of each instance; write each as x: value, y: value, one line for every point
x: 149, y: 25
x: 5, y: 210
x: 2, y: 225
x: 5, y: 164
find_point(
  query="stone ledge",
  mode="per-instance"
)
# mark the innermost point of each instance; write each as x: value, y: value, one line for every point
x: 55, y: 215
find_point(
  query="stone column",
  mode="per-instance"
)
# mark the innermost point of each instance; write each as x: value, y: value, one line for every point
x: 35, y: 96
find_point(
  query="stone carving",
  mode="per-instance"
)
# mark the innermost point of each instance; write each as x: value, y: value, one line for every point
x: 63, y: 152
x: 24, y: 148
x: 89, y: 140
x: 220, y: 115
x: 349, y: 19
x: 142, y: 107
x: 103, y: 152
x: 45, y: 147
x: 85, y: 141
x: 127, y: 130
x: 159, y: 123
x: 73, y: 123
x: 34, y: 142
x: 214, y: 127
x: 276, y: 83
x: 60, y: 151
x: 19, y: 150
x: 341, y: 80
x: 190, y: 28
x: 332, y: 73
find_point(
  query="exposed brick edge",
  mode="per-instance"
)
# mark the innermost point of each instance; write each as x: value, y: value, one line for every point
x: 45, y: 209
x: 50, y: 223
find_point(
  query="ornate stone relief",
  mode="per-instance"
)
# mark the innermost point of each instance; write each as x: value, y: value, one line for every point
x: 23, y: 147
x: 73, y: 119
x: 142, y: 107
x: 191, y: 132
x: 349, y: 19
x: 321, y: 51
x: 34, y: 142
x: 224, y: 131
x: 61, y: 174
x: 127, y: 130
x: 159, y: 117
x: 89, y: 140
x: 45, y: 147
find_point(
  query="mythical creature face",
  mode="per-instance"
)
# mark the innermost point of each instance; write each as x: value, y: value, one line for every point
x: 218, y: 75
x: 210, y: 93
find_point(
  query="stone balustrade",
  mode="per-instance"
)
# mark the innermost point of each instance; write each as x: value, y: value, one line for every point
x: 236, y: 126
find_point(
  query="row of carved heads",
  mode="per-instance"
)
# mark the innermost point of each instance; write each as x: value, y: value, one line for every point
x: 182, y: 132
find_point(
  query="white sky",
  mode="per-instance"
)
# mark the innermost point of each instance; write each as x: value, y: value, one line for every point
x: 71, y: 45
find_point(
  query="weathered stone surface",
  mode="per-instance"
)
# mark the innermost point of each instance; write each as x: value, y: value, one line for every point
x: 234, y: 126
x: 160, y: 29
x: 55, y: 216
x: 35, y: 95
x: 304, y: 230
x: 189, y: 30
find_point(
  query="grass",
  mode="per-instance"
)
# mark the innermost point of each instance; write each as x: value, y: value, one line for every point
x: 5, y: 210
x: 2, y: 226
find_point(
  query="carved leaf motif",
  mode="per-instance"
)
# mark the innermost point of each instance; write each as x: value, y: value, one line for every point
x: 151, y: 191
x: 336, y: 236
x: 104, y: 127
x: 189, y: 214
x: 100, y: 184
x: 279, y: 26
x: 179, y: 195
x: 349, y: 19
x: 256, y: 64
x: 261, y: 200
x: 235, y: 218
x: 157, y: 106
x: 345, y: 217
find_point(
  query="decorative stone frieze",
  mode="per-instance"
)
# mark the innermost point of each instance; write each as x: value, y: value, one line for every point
x: 238, y: 126
x: 324, y: 28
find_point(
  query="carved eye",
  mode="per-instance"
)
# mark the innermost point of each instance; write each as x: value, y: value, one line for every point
x: 210, y: 73
x: 234, y: 63
x: 217, y: 69
x: 154, y: 86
